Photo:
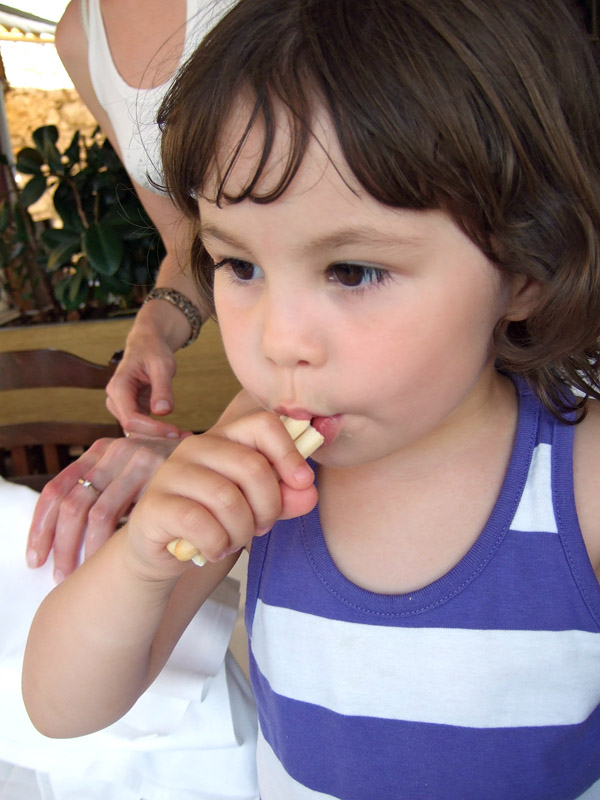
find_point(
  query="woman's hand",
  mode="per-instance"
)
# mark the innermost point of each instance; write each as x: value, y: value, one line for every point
x: 218, y: 491
x: 142, y: 383
x: 69, y: 512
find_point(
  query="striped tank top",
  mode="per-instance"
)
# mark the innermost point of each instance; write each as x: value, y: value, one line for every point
x: 484, y: 685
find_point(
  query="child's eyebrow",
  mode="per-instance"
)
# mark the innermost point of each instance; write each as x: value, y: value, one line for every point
x: 213, y: 232
x: 329, y: 241
x: 362, y: 235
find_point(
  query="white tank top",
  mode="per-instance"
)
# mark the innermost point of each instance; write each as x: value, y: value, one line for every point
x: 132, y: 112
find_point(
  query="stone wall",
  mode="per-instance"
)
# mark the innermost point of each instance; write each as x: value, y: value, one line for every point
x: 27, y: 109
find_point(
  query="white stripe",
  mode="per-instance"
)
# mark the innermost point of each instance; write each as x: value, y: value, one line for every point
x: 277, y: 784
x: 535, y: 512
x: 475, y: 678
x: 593, y: 793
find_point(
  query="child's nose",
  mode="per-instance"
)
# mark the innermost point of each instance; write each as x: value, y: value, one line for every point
x: 289, y: 333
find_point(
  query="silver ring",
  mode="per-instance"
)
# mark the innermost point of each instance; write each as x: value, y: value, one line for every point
x: 87, y: 484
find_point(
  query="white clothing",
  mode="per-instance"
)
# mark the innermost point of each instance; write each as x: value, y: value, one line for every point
x: 191, y: 736
x: 132, y: 112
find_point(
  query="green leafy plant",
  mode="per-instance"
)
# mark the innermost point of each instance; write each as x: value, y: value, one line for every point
x: 101, y: 252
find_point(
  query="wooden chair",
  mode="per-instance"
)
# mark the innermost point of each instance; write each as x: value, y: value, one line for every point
x: 36, y: 451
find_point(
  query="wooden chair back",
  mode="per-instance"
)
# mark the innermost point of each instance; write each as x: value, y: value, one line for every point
x: 36, y: 451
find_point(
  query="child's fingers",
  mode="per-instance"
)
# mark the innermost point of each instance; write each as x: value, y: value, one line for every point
x: 232, y: 484
x: 265, y: 433
x: 234, y: 508
x: 201, y: 527
x: 161, y: 515
x: 245, y: 475
x: 226, y: 476
x: 297, y: 502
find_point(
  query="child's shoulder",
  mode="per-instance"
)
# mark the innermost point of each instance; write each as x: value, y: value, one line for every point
x: 586, y: 471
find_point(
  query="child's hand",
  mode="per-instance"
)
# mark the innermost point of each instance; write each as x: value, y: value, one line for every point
x: 219, y: 490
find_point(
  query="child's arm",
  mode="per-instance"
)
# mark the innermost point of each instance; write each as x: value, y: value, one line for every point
x: 101, y: 637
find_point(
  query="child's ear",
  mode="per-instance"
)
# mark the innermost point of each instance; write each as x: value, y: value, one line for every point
x: 524, y: 296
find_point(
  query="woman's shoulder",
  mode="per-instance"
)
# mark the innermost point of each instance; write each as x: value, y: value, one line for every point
x: 586, y: 472
x: 72, y: 47
x: 70, y: 38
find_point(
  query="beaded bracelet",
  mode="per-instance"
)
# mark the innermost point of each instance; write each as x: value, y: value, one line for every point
x: 180, y: 301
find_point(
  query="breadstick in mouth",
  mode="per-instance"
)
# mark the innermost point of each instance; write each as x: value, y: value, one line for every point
x: 306, y: 439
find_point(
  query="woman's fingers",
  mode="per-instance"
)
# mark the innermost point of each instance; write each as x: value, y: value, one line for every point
x: 134, y: 421
x: 89, y: 498
x: 160, y: 373
x: 45, y: 517
x: 140, y: 386
x: 116, y: 500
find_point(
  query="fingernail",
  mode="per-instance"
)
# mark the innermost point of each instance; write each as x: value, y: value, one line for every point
x: 58, y: 576
x: 32, y: 559
x: 262, y: 531
x: 304, y: 473
x: 172, y: 435
x: 162, y: 407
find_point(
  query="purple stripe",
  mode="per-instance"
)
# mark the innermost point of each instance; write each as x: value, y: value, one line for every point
x: 413, y: 761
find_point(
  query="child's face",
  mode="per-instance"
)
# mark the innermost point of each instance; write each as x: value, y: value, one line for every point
x: 332, y: 304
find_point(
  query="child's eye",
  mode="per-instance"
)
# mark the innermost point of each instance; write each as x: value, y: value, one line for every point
x: 241, y: 270
x: 356, y: 275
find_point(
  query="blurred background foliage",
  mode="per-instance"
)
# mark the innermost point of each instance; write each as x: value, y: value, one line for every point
x: 100, y: 253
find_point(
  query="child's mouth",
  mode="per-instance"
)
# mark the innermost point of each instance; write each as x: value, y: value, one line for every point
x: 328, y: 427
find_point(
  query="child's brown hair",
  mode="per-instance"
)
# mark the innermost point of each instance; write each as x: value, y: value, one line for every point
x: 486, y: 109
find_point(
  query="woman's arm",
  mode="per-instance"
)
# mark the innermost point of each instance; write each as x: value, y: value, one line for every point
x: 142, y: 383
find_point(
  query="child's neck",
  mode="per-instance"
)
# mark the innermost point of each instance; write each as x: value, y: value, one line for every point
x: 420, y: 511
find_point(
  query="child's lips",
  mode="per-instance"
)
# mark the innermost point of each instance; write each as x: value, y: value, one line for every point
x: 328, y: 427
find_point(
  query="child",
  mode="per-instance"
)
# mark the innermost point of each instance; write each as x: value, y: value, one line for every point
x: 398, y: 210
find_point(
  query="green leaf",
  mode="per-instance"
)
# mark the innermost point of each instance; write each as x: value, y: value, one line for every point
x: 44, y: 134
x: 62, y: 254
x: 103, y: 248
x: 33, y: 190
x: 72, y: 291
x: 76, y: 289
x: 29, y: 161
x: 54, y: 237
x: 4, y: 216
x: 72, y: 151
x: 65, y: 205
x: 20, y: 225
x: 45, y: 139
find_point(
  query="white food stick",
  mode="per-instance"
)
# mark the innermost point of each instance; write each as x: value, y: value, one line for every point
x: 306, y: 439
x: 185, y: 551
x: 309, y: 441
x: 295, y: 426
